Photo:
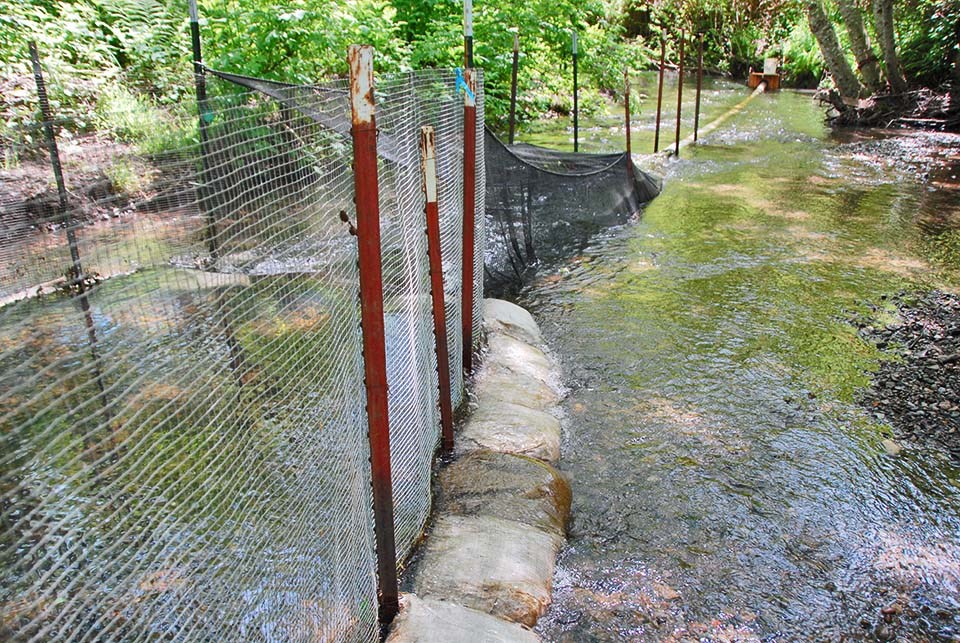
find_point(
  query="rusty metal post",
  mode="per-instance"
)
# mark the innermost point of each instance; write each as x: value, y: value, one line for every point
x: 513, y: 85
x: 428, y: 166
x: 468, y: 33
x: 469, y: 214
x: 676, y: 149
x: 576, y: 105
x: 663, y: 55
x: 626, y: 119
x: 696, y: 114
x: 367, y: 198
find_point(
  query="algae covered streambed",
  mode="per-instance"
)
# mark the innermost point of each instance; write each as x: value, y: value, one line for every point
x: 728, y: 485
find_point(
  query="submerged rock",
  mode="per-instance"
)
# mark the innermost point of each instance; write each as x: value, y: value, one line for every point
x: 891, y: 447
x: 919, y: 394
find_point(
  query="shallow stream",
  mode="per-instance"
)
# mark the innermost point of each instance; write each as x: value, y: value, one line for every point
x: 727, y: 484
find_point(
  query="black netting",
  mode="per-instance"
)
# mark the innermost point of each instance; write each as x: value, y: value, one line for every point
x: 542, y: 204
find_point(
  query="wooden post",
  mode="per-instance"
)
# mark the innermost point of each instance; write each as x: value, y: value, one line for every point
x: 513, y: 85
x: 696, y: 114
x: 576, y: 107
x: 676, y: 149
x: 428, y: 166
x: 469, y: 215
x: 367, y: 198
x: 663, y: 54
x: 468, y: 33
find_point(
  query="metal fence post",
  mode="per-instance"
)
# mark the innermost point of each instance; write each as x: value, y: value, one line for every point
x: 203, y: 111
x: 696, y: 114
x: 513, y: 85
x: 576, y: 106
x: 663, y: 54
x: 428, y: 166
x: 468, y: 33
x: 626, y: 119
x: 676, y: 149
x: 75, y: 277
x: 469, y: 214
x: 367, y: 198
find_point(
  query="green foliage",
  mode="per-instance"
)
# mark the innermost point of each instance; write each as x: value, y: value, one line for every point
x: 803, y: 61
x: 126, y: 63
x: 929, y: 40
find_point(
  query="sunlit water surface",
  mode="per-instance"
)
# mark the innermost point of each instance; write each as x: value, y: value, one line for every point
x: 727, y: 486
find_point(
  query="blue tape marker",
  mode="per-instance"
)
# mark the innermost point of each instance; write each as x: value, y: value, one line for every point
x: 462, y: 84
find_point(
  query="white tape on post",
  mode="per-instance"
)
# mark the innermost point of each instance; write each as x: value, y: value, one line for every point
x: 574, y: 43
x: 468, y: 18
x: 361, y: 83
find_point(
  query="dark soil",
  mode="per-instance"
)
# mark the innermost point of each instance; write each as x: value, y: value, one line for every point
x: 917, y: 391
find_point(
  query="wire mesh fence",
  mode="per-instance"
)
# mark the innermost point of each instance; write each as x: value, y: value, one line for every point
x: 182, y: 420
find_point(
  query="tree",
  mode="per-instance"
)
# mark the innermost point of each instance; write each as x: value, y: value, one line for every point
x: 843, y: 77
x: 883, y: 19
x: 867, y: 61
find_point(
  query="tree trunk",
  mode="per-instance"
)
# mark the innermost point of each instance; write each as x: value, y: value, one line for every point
x: 843, y: 76
x: 867, y: 61
x: 883, y: 17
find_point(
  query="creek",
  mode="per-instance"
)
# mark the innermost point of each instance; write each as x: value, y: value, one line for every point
x: 727, y: 484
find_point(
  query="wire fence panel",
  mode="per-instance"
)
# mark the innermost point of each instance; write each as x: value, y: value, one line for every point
x: 182, y: 423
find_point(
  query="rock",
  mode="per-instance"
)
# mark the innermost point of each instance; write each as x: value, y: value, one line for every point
x: 429, y: 621
x: 511, y: 428
x: 501, y: 316
x: 891, y: 447
x: 514, y: 388
x: 506, y: 353
x: 501, y: 567
x: 511, y: 487
x: 666, y: 592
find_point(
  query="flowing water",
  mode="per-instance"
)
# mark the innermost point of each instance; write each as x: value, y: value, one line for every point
x: 727, y: 485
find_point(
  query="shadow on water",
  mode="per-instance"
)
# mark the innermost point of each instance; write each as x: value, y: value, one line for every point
x: 726, y: 484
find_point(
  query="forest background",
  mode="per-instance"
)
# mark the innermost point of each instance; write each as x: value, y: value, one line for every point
x: 117, y: 66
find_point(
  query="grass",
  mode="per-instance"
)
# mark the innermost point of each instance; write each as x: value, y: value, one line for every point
x: 134, y: 119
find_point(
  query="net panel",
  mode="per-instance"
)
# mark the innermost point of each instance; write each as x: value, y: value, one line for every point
x: 183, y: 427
x: 479, y: 216
x: 543, y: 205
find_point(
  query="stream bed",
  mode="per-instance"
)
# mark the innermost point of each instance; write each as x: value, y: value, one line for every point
x: 729, y: 482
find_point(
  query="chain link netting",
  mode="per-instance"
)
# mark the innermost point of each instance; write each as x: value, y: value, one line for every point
x: 182, y: 412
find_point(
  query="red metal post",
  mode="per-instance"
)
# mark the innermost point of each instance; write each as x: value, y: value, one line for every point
x: 696, y: 114
x: 428, y: 166
x: 367, y: 200
x: 469, y: 214
x: 676, y: 149
x: 663, y: 54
